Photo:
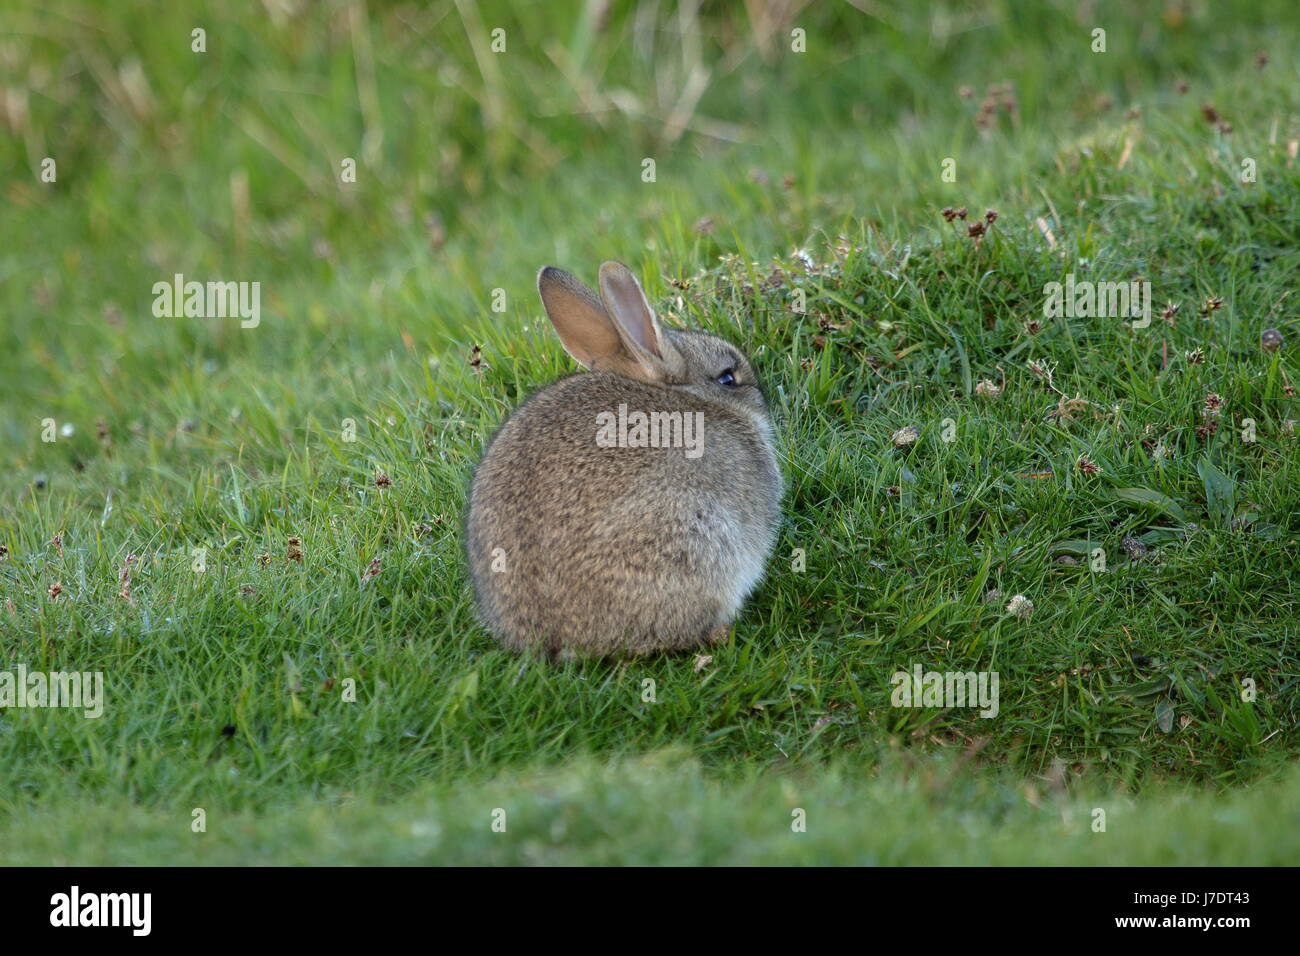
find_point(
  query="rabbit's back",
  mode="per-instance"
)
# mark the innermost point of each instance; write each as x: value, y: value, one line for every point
x: 580, y: 540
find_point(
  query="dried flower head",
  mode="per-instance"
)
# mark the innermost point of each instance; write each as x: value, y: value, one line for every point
x: 382, y: 480
x: 124, y: 578
x: 1087, y: 466
x: 295, y: 550
x: 988, y: 389
x: 1133, y: 547
x: 1067, y: 409
x: 1020, y: 606
x: 906, y: 436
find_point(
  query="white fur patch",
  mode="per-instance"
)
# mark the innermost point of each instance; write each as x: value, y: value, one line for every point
x: 744, y: 564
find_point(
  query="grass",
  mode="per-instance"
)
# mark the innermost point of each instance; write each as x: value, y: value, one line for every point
x: 665, y: 809
x: 818, y: 173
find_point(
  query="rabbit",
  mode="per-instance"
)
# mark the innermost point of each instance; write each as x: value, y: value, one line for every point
x: 586, y: 542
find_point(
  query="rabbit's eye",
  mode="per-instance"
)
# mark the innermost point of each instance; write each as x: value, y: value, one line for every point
x: 728, y: 377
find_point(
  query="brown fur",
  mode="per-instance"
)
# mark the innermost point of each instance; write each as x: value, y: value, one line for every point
x: 612, y: 551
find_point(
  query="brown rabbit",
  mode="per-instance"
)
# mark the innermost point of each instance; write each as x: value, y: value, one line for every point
x: 629, y: 509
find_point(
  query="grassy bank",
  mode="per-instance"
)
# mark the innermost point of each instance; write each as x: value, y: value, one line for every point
x: 347, y: 421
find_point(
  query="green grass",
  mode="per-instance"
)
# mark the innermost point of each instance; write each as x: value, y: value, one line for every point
x: 1122, y: 690
x: 666, y: 809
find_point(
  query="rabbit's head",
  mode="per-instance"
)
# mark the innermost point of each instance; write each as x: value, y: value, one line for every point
x: 617, y: 332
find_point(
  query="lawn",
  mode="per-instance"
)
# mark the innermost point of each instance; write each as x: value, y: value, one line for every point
x: 253, y: 533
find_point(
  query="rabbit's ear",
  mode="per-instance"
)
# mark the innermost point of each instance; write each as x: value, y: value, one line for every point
x: 579, y: 318
x: 635, y: 322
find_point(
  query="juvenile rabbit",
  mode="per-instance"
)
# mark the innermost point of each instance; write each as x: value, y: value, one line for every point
x: 587, y: 536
